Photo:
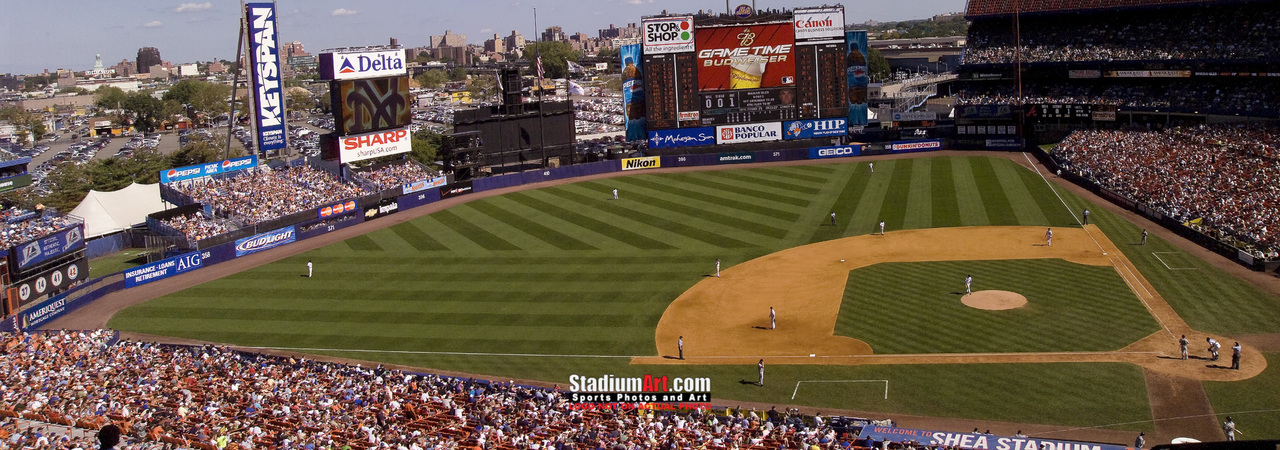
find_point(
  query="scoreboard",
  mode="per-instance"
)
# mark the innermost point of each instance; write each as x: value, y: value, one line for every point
x: 712, y: 71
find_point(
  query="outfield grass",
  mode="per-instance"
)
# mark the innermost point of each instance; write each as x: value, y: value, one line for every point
x: 116, y: 262
x: 1067, y: 305
x: 567, y: 270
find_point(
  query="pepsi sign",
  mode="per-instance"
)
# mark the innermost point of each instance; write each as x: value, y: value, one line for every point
x: 204, y: 170
x: 805, y: 129
x: 354, y: 65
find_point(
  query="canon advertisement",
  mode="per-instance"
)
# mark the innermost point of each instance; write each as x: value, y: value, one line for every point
x: 204, y: 170
x: 264, y: 65
x: 360, y: 147
x: 362, y: 106
x: 754, y: 132
x: 819, y: 25
x: 52, y: 280
x: 355, y: 65
x: 746, y: 57
x: 667, y: 34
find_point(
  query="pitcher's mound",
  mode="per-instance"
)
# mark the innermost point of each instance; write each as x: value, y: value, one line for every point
x: 994, y: 300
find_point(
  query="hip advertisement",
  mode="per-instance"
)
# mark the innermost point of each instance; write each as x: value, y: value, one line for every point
x: 746, y: 57
x: 755, y: 132
x: 684, y: 137
x: 160, y: 270
x: 667, y: 35
x: 49, y: 247
x: 857, y: 76
x: 52, y: 280
x: 805, y: 129
x: 633, y: 105
x: 264, y: 75
x: 362, y: 106
x: 374, y: 145
x: 835, y: 152
x: 265, y: 241
x: 648, y: 162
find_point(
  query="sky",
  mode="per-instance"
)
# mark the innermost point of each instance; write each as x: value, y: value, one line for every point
x: 52, y: 34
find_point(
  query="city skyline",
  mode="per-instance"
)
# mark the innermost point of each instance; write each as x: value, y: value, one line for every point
x: 67, y: 34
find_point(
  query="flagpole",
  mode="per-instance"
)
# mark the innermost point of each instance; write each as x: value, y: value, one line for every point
x: 537, y: 48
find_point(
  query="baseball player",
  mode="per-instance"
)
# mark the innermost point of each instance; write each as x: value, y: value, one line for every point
x: 1235, y: 356
x: 882, y: 228
x: 680, y: 345
x: 968, y: 283
x: 1048, y: 237
x: 1228, y: 427
x: 760, y: 369
x: 1182, y: 343
x: 1213, y: 348
x: 872, y: 166
x: 308, y: 268
x: 717, y: 267
x: 1144, y: 238
x: 615, y: 193
x: 833, y: 218
x: 1140, y: 441
x: 1086, y: 217
x: 773, y: 323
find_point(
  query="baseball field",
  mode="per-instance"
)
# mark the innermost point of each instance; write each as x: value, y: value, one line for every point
x: 543, y: 283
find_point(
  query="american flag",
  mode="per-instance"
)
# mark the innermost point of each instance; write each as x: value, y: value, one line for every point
x: 540, y: 66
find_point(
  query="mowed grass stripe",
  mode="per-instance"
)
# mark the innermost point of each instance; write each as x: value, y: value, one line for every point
x: 968, y: 199
x: 417, y: 238
x: 458, y: 244
x: 475, y: 317
x: 667, y: 225
x: 1024, y: 205
x: 946, y: 210
x: 693, y: 212
x: 744, y: 189
x: 999, y: 210
x: 1054, y: 211
x: 541, y: 232
x: 844, y: 204
x: 895, y: 197
x: 810, y: 173
x: 919, y: 208
x: 363, y: 243
x: 867, y: 218
x: 754, y: 178
x: 533, y: 199
x: 471, y: 231
x: 717, y: 200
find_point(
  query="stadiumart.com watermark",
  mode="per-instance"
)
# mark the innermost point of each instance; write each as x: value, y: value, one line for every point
x: 649, y: 388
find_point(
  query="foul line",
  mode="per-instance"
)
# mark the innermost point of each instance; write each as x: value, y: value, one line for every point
x: 1064, y: 202
x: 1166, y: 265
x: 1196, y: 416
x: 421, y: 352
x: 797, y: 389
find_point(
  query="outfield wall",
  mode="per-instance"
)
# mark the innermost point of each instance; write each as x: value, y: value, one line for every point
x: 306, y: 225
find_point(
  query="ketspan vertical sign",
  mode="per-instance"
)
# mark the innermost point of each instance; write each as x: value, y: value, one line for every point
x: 264, y: 75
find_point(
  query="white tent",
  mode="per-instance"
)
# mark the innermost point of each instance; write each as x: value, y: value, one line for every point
x: 109, y: 212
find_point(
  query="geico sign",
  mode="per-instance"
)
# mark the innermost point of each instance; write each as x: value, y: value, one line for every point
x: 648, y: 162
x: 368, y: 140
x: 835, y: 151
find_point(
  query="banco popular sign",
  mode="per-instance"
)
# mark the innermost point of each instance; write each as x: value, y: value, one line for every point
x: 755, y: 132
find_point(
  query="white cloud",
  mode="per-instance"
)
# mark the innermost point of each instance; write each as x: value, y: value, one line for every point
x: 486, y: 30
x: 344, y: 12
x: 193, y: 7
x: 153, y: 24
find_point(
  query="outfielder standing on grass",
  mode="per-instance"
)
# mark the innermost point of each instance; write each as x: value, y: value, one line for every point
x: 308, y: 268
x: 882, y: 228
x: 615, y: 193
x: 968, y: 281
x: 833, y: 218
x: 760, y: 369
x: 1144, y: 238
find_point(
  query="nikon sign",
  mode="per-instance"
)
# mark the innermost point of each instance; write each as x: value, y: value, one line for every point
x: 648, y: 162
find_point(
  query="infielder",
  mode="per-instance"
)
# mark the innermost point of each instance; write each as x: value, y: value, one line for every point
x: 1048, y: 237
x: 1182, y: 343
x: 615, y: 193
x: 882, y: 228
x: 968, y: 282
x: 1213, y: 348
x: 308, y: 268
x: 1228, y: 427
x: 680, y: 345
x: 773, y: 323
x: 833, y: 218
x: 717, y: 267
x: 760, y: 369
x: 1235, y: 356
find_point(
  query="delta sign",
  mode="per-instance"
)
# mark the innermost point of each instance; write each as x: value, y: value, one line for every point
x: 355, y: 65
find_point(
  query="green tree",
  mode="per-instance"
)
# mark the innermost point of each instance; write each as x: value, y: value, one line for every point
x: 199, y: 151
x: 70, y: 183
x: 169, y: 109
x: 458, y: 74
x: 610, y: 54
x: 426, y: 144
x: 300, y: 99
x: 612, y: 83
x: 73, y: 90
x: 432, y: 79
x: 145, y: 109
x: 482, y: 87
x: 202, y: 96
x: 26, y: 122
x: 109, y: 97
x: 877, y: 66
x: 554, y: 55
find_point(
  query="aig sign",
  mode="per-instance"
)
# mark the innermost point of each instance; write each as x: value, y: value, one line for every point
x: 668, y: 34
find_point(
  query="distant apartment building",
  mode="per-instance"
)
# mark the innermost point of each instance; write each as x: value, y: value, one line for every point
x: 449, y: 39
x: 631, y: 31
x: 553, y: 34
x: 515, y: 42
x: 147, y: 58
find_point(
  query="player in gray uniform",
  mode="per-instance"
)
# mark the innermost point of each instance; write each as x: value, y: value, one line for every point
x: 760, y: 369
x: 1228, y: 427
x: 1235, y: 356
x: 680, y: 345
x: 1182, y: 343
x: 1048, y: 237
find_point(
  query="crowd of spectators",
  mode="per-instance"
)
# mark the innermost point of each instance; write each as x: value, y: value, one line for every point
x: 1249, y: 97
x: 396, y: 175
x: 196, y: 226
x: 32, y: 227
x: 211, y: 397
x: 1225, y: 179
x: 255, y: 196
x: 1234, y: 31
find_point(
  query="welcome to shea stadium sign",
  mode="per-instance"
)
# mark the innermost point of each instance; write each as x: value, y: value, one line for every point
x: 970, y: 441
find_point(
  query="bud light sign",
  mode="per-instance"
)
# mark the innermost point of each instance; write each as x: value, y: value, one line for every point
x: 265, y: 241
x: 805, y: 129
x: 162, y: 269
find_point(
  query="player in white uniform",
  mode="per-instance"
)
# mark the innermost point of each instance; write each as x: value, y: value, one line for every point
x: 882, y: 228
x: 308, y: 268
x: 615, y: 193
x: 872, y: 166
x: 1182, y: 344
x: 760, y: 369
x: 1048, y: 237
x: 968, y: 282
x: 773, y: 322
x: 717, y: 267
x: 1213, y: 348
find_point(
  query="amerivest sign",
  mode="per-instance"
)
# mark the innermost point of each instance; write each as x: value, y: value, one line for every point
x: 353, y: 65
